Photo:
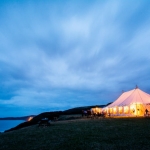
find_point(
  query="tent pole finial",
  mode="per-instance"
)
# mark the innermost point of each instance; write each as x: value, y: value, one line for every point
x: 136, y: 87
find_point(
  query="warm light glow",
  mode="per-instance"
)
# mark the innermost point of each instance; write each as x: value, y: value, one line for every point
x: 120, y: 110
x: 96, y: 110
x: 114, y: 110
x: 137, y: 109
x: 133, y: 109
x: 110, y: 110
x: 30, y: 118
x: 126, y: 109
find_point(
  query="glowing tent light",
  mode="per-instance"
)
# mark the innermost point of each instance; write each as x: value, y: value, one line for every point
x: 126, y: 109
x: 96, y: 110
x: 120, y: 110
x: 114, y: 110
x: 30, y: 118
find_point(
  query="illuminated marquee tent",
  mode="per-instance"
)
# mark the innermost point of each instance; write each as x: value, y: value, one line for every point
x: 131, y: 103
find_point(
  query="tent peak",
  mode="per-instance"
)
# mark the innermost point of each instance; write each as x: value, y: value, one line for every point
x: 136, y: 87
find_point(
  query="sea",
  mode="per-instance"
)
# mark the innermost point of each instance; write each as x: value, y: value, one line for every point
x: 7, y: 124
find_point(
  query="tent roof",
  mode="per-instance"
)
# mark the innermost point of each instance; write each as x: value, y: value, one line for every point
x: 134, y: 96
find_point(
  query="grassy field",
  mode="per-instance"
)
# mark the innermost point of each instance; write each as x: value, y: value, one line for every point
x: 85, y: 134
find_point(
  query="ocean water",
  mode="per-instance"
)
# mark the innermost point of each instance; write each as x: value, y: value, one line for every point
x: 7, y: 124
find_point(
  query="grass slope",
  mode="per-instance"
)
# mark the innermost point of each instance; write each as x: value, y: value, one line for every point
x: 51, y: 115
x: 36, y: 119
x: 103, y: 133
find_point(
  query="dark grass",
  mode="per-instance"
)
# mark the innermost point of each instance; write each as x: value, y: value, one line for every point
x: 103, y: 133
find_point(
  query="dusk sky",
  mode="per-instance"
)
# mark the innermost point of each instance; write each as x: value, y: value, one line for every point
x: 56, y: 55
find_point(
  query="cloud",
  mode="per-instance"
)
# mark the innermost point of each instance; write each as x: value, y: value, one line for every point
x: 58, y: 55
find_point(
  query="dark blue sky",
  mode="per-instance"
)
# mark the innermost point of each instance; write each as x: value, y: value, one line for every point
x: 64, y: 54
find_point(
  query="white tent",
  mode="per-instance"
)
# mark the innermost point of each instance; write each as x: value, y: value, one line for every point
x: 131, y: 103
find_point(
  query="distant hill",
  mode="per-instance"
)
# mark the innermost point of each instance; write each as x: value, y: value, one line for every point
x: 109, y: 103
x: 50, y: 115
x: 78, y: 110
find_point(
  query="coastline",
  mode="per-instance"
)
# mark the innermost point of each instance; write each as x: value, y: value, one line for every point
x: 8, y: 124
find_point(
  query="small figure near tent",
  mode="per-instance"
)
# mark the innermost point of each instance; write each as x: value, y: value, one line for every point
x: 146, y: 112
x: 88, y: 113
x: 84, y: 113
x: 133, y: 110
x: 103, y: 114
